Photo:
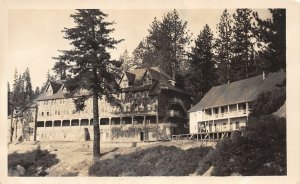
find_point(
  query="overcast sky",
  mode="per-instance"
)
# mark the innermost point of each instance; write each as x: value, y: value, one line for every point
x: 35, y: 35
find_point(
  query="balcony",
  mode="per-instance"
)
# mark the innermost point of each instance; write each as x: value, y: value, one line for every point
x: 225, y: 115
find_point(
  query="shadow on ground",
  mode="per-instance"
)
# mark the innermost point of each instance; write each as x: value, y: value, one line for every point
x: 154, y: 161
x: 31, y: 163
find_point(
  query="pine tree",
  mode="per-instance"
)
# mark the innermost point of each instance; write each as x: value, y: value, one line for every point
x: 91, y: 67
x: 243, y: 65
x: 143, y: 55
x: 37, y: 91
x: 28, y: 92
x: 223, y: 47
x: 18, y: 91
x: 126, y: 60
x: 60, y: 68
x: 202, y: 74
x: 272, y: 35
x: 9, y: 105
x: 166, y: 44
x: 49, y: 77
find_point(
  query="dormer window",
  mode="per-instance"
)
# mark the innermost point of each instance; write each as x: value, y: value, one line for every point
x: 147, y: 79
x: 124, y: 83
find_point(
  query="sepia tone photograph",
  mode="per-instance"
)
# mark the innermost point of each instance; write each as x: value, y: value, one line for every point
x: 146, y: 92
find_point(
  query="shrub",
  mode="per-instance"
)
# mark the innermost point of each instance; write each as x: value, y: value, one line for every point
x: 260, y: 151
x: 155, y: 161
x: 32, y: 160
x: 268, y: 102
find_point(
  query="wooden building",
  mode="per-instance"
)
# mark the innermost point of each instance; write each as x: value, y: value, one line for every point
x: 149, y: 107
x: 226, y: 108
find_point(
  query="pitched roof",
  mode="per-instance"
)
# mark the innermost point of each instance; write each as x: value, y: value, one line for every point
x: 135, y: 77
x: 240, y: 91
x: 56, y: 85
x: 161, y: 81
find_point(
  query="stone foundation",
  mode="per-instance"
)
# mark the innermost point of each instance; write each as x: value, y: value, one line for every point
x: 108, y: 133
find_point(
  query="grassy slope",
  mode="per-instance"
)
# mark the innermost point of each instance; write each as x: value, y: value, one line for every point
x: 154, y: 161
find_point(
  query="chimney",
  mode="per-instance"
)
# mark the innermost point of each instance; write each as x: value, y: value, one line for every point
x: 264, y: 75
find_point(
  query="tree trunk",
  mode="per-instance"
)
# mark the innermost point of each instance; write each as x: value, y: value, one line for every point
x: 35, y: 123
x: 11, y: 126
x: 96, y: 144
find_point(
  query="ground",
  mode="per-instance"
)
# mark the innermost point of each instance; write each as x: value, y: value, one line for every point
x: 76, y: 157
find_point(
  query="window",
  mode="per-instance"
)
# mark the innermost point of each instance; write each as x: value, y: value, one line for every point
x: 66, y: 123
x: 40, y: 124
x: 48, y: 123
x: 216, y: 110
x: 42, y: 113
x: 84, y: 122
x: 57, y: 123
x: 237, y: 125
x: 242, y: 106
x: 75, y: 122
x: 48, y: 113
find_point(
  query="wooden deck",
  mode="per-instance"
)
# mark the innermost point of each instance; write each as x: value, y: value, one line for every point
x: 209, y: 136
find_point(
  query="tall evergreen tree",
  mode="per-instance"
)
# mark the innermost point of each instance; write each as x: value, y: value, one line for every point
x: 91, y: 66
x: 272, y: 34
x: 60, y: 68
x: 126, y: 60
x: 166, y: 44
x: 49, y: 77
x: 202, y: 74
x: 243, y: 64
x: 28, y: 92
x: 9, y: 105
x: 18, y: 91
x: 37, y: 91
x: 143, y: 55
x: 223, y: 48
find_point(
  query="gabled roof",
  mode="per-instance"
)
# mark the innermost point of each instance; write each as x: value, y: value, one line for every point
x: 57, y: 87
x: 135, y: 77
x: 240, y: 91
x: 161, y: 81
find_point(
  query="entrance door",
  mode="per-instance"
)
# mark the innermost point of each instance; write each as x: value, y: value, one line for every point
x: 141, y: 136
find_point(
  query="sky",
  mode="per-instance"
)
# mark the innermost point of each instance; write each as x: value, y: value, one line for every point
x: 35, y: 36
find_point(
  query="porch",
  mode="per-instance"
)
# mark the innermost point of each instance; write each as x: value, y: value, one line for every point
x: 206, y: 136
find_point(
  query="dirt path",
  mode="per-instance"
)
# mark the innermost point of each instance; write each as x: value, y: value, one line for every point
x: 76, y: 158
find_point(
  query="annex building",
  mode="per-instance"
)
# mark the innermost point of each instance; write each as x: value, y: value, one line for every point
x: 226, y: 108
x: 149, y: 107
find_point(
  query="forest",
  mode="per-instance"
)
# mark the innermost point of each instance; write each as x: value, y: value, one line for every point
x: 244, y: 45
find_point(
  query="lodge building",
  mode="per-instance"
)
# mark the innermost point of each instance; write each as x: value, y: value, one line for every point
x: 149, y: 107
x: 226, y: 108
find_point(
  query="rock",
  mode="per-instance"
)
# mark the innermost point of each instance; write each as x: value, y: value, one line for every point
x: 12, y: 172
x: 20, y: 169
x: 236, y: 174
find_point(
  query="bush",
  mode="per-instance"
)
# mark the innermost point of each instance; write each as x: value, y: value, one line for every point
x: 156, y: 161
x: 260, y: 151
x: 32, y: 160
x: 268, y: 102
